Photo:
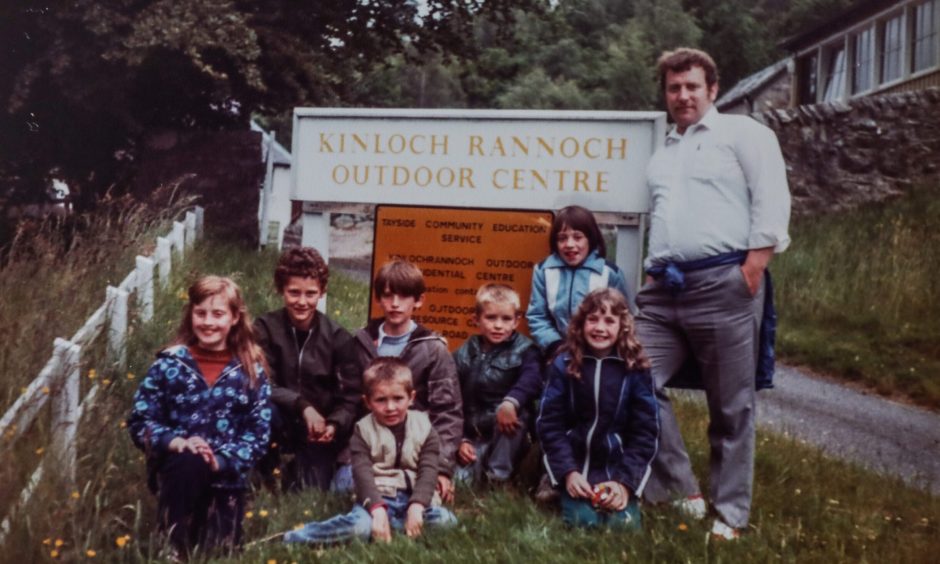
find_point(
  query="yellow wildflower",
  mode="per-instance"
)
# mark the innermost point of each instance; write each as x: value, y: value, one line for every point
x: 90, y: 553
x: 92, y: 374
x: 130, y: 376
x: 53, y: 553
x: 121, y: 542
x: 683, y: 527
x: 39, y: 450
x: 249, y: 514
x: 76, y: 495
x: 59, y: 543
x: 263, y: 513
x: 47, y: 541
x: 106, y: 382
x: 45, y: 390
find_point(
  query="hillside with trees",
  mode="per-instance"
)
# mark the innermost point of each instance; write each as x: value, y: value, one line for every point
x: 82, y: 81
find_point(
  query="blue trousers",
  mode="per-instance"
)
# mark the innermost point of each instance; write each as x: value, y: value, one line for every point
x: 357, y: 524
x: 580, y: 513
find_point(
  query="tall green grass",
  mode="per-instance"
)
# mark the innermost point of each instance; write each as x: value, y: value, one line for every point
x: 807, y: 508
x: 859, y: 298
x: 53, y: 276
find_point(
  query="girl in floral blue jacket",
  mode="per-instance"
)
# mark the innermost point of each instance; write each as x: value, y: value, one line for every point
x: 598, y: 422
x: 202, y: 416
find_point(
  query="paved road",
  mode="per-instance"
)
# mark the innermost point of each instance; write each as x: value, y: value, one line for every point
x: 882, y: 435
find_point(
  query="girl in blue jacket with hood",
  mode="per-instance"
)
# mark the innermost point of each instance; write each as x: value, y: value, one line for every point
x: 576, y: 266
x: 598, y: 421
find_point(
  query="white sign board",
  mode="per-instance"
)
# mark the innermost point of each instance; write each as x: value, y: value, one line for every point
x: 475, y: 158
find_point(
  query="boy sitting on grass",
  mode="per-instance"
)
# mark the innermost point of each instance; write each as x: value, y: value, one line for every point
x: 395, y: 460
x: 500, y: 378
x: 399, y: 288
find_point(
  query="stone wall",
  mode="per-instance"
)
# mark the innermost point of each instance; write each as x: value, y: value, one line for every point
x: 842, y: 154
x: 223, y: 168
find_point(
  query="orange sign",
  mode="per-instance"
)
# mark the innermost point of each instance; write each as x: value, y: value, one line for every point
x: 459, y: 250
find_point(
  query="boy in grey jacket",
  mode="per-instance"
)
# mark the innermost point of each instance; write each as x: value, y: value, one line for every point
x: 399, y: 288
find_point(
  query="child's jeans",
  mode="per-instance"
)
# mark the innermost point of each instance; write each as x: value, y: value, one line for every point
x: 580, y: 513
x: 357, y: 524
x: 497, y: 458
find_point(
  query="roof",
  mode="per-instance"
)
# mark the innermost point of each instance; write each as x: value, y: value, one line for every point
x: 281, y: 155
x: 857, y: 12
x: 749, y: 84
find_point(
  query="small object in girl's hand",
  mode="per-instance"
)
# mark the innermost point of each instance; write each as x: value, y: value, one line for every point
x: 601, y: 493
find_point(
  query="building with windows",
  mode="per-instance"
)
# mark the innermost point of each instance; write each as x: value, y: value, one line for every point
x: 876, y: 46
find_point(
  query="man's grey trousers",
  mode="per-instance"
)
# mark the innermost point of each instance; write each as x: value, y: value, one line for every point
x: 716, y: 320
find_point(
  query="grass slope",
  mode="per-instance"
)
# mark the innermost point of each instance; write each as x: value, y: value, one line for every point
x: 858, y: 297
x: 807, y: 508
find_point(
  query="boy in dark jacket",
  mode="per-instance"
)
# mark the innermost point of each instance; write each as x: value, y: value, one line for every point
x: 314, y: 372
x: 399, y: 288
x: 499, y: 380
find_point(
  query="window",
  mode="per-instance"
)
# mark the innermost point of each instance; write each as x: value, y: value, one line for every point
x: 806, y: 71
x: 924, y: 37
x: 891, y: 49
x: 863, y: 50
x: 835, y: 74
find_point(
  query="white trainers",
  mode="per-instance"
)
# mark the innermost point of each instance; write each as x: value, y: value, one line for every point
x: 692, y: 507
x: 723, y: 531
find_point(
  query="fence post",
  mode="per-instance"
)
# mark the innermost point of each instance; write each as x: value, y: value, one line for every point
x: 200, y: 221
x: 266, y: 187
x: 145, y: 287
x: 176, y: 238
x: 190, y: 223
x: 117, y: 327
x: 65, y: 409
x: 163, y: 253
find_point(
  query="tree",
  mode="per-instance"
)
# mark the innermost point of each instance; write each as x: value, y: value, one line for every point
x: 82, y: 79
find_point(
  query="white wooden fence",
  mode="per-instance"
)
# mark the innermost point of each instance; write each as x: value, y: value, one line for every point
x: 58, y: 382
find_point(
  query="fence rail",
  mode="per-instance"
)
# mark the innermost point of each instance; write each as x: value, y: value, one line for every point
x: 59, y: 380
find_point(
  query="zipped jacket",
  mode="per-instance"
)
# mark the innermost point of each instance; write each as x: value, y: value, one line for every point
x: 323, y: 372
x: 486, y: 378
x: 604, y: 425
x: 437, y: 390
x: 558, y: 289
x: 174, y: 400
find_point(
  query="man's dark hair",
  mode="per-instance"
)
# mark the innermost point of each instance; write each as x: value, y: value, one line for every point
x: 682, y: 60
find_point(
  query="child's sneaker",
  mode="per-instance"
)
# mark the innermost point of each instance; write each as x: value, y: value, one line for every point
x: 724, y: 532
x: 545, y: 493
x: 692, y: 507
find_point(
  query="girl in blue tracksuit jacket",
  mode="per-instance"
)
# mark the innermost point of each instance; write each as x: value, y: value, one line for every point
x: 576, y: 266
x: 598, y: 421
x: 202, y: 417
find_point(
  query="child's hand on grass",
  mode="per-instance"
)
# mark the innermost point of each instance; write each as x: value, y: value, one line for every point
x: 577, y: 486
x: 466, y: 454
x: 414, y: 521
x: 381, y: 530
x: 507, y: 420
